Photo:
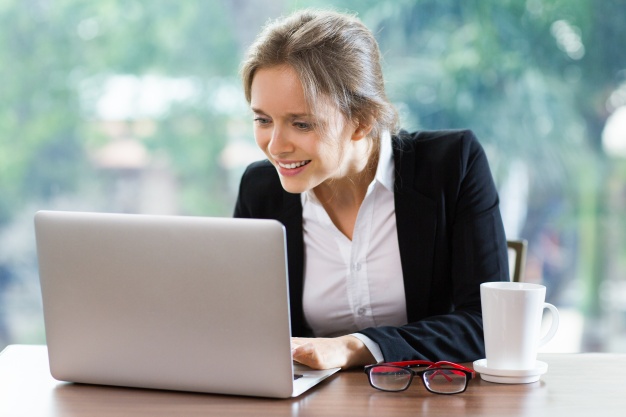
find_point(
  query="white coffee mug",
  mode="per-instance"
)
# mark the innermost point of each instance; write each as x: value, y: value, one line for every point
x: 512, y: 315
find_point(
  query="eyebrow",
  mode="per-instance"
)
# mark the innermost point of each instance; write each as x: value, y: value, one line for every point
x: 291, y: 115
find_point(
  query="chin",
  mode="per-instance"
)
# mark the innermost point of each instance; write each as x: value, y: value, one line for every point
x: 292, y: 186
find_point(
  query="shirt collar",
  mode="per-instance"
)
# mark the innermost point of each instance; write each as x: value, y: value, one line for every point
x: 385, y: 169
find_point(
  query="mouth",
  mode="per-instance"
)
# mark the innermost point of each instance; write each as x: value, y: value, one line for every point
x: 293, y: 165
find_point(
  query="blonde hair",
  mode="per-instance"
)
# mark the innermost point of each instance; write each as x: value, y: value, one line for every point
x: 335, y: 56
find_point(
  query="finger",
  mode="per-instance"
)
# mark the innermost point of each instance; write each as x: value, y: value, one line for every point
x: 306, y: 355
x: 295, y: 344
x: 303, y: 351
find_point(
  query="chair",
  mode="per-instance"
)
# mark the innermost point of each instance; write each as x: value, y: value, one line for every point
x: 517, y: 258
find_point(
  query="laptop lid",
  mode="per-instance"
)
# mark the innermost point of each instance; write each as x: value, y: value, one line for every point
x: 167, y: 302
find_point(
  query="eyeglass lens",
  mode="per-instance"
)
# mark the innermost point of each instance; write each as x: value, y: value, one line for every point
x: 390, y: 378
x: 444, y: 381
x: 441, y: 381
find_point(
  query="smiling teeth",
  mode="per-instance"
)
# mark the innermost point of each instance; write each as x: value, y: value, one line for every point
x: 293, y: 165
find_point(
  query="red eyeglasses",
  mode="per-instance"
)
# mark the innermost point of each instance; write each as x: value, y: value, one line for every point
x: 441, y: 377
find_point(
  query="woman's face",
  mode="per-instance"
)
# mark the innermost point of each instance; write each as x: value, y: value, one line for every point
x: 285, y: 130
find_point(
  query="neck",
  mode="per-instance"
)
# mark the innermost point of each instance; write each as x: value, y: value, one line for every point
x: 348, y: 191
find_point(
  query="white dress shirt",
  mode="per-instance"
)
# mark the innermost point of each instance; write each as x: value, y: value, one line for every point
x: 353, y: 284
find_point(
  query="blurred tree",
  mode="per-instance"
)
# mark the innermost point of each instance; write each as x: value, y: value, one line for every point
x: 531, y: 77
x: 49, y: 51
x: 39, y: 111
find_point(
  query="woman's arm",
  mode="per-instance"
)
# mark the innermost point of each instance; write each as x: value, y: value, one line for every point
x: 469, y: 249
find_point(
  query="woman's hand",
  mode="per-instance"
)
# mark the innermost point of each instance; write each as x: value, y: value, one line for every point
x: 323, y: 353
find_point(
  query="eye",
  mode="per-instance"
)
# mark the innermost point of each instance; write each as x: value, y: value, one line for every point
x: 262, y: 120
x: 303, y: 126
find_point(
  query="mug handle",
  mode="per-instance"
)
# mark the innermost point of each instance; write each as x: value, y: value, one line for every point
x: 553, y: 327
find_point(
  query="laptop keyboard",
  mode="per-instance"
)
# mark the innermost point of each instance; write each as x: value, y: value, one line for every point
x: 297, y: 376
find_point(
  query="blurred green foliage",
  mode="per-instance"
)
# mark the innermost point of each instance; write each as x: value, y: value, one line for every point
x: 532, y: 78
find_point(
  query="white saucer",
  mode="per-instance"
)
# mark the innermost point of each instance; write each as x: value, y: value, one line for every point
x: 510, y: 376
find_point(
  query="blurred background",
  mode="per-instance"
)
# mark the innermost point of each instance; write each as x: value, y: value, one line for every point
x: 136, y: 106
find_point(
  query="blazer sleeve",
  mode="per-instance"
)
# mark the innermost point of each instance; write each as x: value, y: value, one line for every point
x: 468, y: 248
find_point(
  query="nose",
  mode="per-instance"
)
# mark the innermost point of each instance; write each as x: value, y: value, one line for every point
x: 280, y: 143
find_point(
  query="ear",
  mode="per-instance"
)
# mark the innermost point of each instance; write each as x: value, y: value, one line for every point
x: 362, y: 130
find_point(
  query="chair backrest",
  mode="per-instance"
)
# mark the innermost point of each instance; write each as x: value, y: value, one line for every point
x: 517, y: 258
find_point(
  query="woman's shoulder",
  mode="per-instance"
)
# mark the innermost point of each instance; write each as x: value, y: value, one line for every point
x: 441, y: 156
x: 261, y: 194
x: 437, y: 145
x: 435, y: 138
x: 260, y: 176
x: 260, y: 166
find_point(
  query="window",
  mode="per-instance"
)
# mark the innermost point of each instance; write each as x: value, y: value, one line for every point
x: 129, y: 106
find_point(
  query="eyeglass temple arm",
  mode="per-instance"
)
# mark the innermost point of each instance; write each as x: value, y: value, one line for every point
x: 430, y: 364
x: 433, y: 365
x: 410, y: 363
x: 457, y: 366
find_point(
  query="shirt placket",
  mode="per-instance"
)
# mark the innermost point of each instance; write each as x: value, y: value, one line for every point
x: 358, y: 276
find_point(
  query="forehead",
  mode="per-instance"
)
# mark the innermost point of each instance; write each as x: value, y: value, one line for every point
x: 277, y: 90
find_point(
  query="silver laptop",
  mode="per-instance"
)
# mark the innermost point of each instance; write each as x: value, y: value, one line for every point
x: 168, y: 302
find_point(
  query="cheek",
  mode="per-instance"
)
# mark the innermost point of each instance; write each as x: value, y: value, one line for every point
x: 332, y: 149
x: 262, y: 138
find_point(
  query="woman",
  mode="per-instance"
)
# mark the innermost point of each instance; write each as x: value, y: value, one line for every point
x: 389, y: 235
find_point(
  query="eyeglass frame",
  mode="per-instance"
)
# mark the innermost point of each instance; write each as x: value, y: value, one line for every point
x: 407, y: 365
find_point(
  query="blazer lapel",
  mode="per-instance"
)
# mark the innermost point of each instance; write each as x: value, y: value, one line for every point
x: 415, y: 214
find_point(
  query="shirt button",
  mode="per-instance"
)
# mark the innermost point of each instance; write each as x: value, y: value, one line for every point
x: 356, y: 266
x: 361, y: 311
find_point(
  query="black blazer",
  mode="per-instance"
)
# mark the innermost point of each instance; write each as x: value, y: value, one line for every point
x: 450, y: 235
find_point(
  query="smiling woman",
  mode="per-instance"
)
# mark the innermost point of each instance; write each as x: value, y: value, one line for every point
x: 343, y: 181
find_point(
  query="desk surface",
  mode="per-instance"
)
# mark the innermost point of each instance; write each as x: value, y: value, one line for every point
x: 575, y: 385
